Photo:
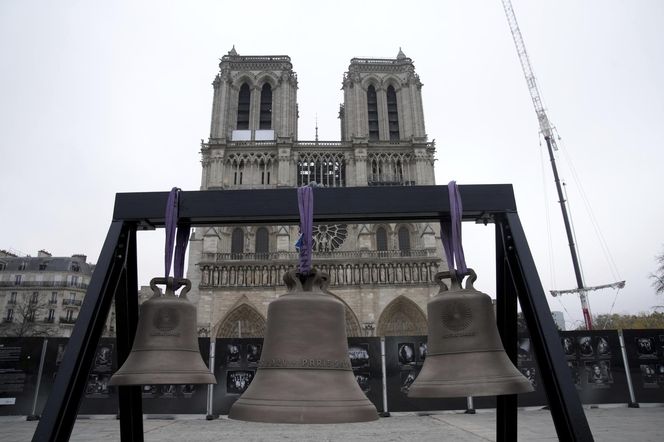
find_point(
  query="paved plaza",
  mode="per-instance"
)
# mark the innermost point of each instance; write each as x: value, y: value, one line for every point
x: 608, y: 424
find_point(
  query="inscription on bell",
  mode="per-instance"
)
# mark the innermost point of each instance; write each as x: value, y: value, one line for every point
x: 457, y: 316
x: 315, y: 364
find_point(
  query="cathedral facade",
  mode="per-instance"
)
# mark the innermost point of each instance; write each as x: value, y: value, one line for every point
x: 384, y: 273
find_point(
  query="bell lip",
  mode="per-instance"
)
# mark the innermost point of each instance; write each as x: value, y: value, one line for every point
x: 496, y: 387
x: 175, y: 378
x: 298, y: 413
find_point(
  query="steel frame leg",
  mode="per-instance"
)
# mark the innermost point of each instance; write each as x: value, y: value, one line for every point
x: 566, y: 410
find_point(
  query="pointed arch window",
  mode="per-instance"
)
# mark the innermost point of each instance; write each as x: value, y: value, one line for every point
x: 372, y: 113
x: 381, y: 239
x: 266, y: 107
x: 262, y: 243
x: 392, y: 113
x: 237, y: 243
x: 404, y: 241
x: 243, y: 103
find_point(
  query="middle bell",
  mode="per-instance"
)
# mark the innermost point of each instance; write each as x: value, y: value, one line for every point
x: 304, y: 375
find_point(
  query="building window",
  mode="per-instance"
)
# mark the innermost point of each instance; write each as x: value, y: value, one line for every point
x: 17, y: 279
x: 30, y: 317
x: 266, y: 107
x: 372, y: 111
x: 69, y: 316
x: 392, y: 113
x: 237, y: 243
x: 381, y: 239
x: 243, y: 103
x: 3, y: 266
x: 404, y: 241
x: 72, y: 296
x: 21, y: 266
x: 35, y: 298
x: 74, y: 280
x: 51, y: 315
x: 262, y: 243
x: 54, y: 297
x: 43, y: 265
x: 75, y: 267
x: 12, y: 298
x: 10, y: 315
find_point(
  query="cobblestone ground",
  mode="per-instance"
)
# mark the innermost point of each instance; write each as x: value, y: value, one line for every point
x: 608, y: 424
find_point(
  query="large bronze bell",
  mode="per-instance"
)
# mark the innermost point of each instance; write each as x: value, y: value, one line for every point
x: 465, y: 355
x: 165, y: 349
x: 304, y: 375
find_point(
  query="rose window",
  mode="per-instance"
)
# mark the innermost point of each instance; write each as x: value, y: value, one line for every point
x: 329, y: 237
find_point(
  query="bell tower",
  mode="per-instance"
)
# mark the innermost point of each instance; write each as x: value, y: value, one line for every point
x: 382, y: 101
x: 255, y: 99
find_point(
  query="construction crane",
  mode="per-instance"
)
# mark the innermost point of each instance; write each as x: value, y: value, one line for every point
x: 547, y: 132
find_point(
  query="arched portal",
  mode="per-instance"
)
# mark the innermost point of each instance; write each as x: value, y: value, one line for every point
x: 402, y: 317
x: 243, y: 321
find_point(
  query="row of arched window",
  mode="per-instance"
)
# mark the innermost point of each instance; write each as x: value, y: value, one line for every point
x: 262, y: 244
x: 244, y: 107
x: 392, y: 114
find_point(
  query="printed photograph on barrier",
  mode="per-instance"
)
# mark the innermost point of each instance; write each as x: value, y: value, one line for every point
x: 359, y: 355
x: 602, y: 347
x: 568, y: 346
x: 406, y: 353
x: 530, y: 374
x: 599, y: 374
x: 232, y: 354
x: 649, y: 375
x: 238, y: 381
x: 524, y: 353
x: 97, y: 386
x: 646, y: 348
x: 407, y: 379
x: 585, y: 347
x: 253, y: 353
x: 363, y: 381
x: 149, y: 391
x: 422, y: 351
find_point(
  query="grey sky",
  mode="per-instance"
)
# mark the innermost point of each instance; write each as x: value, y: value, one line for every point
x: 105, y: 97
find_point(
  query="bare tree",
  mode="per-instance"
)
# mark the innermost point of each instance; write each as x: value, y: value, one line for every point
x: 658, y: 276
x: 25, y: 320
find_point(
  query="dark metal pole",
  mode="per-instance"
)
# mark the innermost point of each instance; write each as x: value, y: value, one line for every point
x: 61, y: 408
x: 126, y: 319
x: 506, y: 319
x: 566, y: 410
x: 570, y: 239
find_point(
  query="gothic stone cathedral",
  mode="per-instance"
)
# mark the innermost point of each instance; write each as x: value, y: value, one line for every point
x: 382, y: 272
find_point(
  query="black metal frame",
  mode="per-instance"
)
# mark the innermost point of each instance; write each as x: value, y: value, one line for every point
x: 116, y: 276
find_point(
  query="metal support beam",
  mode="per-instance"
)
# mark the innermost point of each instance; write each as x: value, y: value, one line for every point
x: 61, y: 408
x: 126, y: 319
x: 566, y: 410
x: 506, y: 319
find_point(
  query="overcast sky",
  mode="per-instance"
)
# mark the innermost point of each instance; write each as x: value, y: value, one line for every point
x: 105, y: 97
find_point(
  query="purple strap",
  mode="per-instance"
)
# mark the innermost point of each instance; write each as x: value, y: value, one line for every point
x: 172, y: 206
x: 451, y: 232
x: 305, y: 202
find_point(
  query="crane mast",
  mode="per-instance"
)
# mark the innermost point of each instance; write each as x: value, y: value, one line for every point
x: 547, y: 132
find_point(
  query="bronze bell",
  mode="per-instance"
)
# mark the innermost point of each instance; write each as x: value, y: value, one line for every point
x: 165, y: 349
x: 465, y: 355
x: 304, y: 374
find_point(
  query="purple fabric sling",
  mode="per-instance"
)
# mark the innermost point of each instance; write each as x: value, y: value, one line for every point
x: 451, y: 232
x: 305, y: 203
x: 172, y: 215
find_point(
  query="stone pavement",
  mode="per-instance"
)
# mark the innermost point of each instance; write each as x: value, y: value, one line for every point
x: 608, y: 424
